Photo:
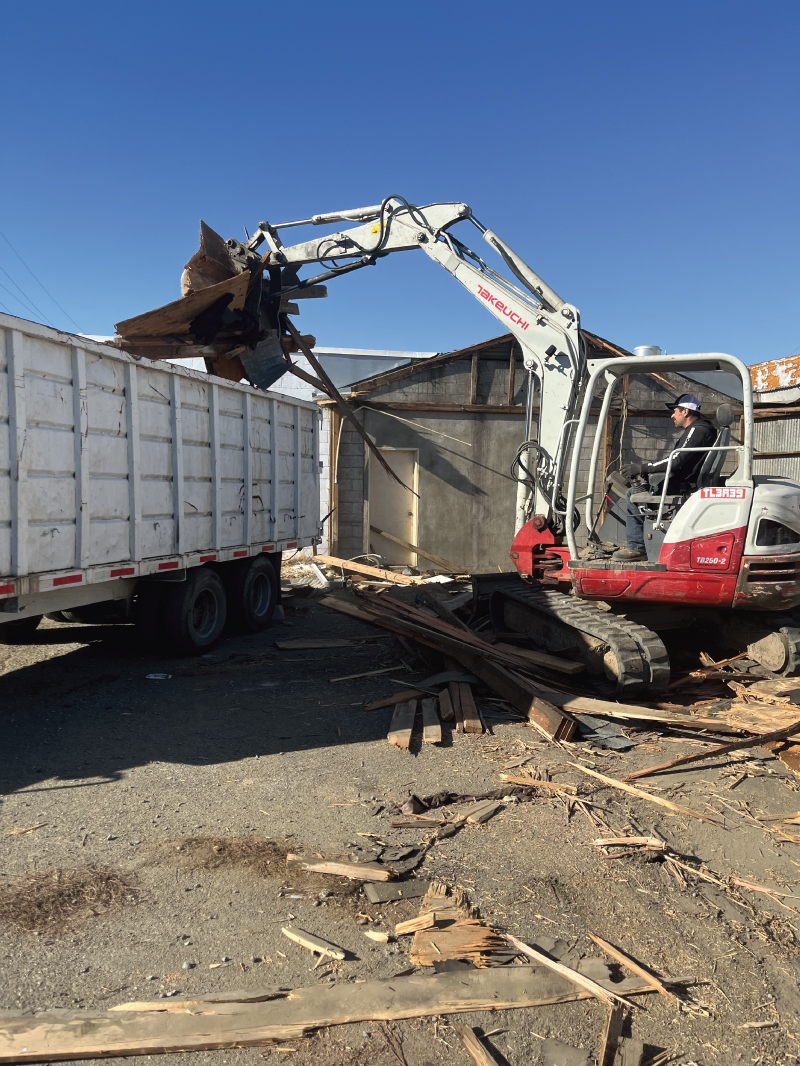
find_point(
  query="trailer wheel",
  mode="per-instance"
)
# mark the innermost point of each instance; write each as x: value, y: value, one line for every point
x: 194, y: 611
x: 252, y: 593
x: 20, y: 631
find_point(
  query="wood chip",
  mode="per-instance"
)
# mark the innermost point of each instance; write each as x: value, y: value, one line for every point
x: 613, y: 783
x: 314, y: 943
x: 413, y: 925
x: 377, y: 935
x: 402, y: 725
x: 629, y: 964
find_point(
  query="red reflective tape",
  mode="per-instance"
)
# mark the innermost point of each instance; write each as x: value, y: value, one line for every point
x: 207, y: 558
x: 124, y: 571
x: 73, y: 579
x: 292, y: 545
x: 168, y: 566
x: 6, y: 588
x: 237, y: 554
x: 268, y: 548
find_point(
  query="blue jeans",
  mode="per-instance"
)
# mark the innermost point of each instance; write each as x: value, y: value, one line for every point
x: 634, y: 523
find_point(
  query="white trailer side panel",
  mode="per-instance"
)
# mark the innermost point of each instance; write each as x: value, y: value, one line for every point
x: 106, y: 459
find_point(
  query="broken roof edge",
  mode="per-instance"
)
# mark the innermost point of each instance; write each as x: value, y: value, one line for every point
x: 358, y: 388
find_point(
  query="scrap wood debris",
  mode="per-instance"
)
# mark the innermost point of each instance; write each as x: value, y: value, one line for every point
x: 455, y: 931
x: 157, y: 1027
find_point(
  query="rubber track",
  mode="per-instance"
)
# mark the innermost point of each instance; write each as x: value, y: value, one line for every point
x: 642, y: 659
x: 792, y: 667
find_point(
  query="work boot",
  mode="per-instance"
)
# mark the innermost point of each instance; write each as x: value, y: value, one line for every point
x: 629, y: 555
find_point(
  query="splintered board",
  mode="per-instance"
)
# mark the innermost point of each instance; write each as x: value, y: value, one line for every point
x: 59, y: 1035
x: 402, y: 725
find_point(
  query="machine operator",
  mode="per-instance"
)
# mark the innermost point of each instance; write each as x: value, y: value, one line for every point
x: 698, y: 432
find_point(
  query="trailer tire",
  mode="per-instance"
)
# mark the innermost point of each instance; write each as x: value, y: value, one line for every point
x: 252, y: 587
x: 195, y: 611
x: 20, y: 631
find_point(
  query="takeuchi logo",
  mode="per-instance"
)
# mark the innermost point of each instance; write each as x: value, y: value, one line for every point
x: 507, y: 311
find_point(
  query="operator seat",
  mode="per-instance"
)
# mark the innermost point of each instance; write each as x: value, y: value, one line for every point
x: 708, y: 476
x: 710, y: 471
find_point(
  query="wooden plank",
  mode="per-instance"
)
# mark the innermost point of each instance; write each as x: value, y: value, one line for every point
x: 181, y: 1003
x: 402, y: 725
x: 710, y: 753
x: 442, y: 610
x: 370, y: 571
x: 630, y: 1052
x: 455, y: 702
x: 336, y: 603
x: 674, y: 807
x: 364, y: 871
x: 473, y: 380
x: 446, y: 706
x: 611, y: 1035
x: 60, y: 1035
x: 342, y: 406
x: 543, y: 658
x: 478, y: 1053
x: 445, y: 565
x: 431, y: 726
x: 579, y: 979
x: 469, y: 712
x: 630, y: 964
x: 176, y: 317
x: 629, y: 711
x: 313, y: 942
x: 365, y: 673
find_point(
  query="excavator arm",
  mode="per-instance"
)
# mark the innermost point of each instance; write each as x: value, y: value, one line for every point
x: 545, y: 326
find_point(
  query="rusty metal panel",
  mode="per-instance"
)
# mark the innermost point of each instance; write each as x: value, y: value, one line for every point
x: 777, y: 435
x: 776, y: 374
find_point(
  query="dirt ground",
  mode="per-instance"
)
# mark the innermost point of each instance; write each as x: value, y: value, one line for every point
x: 251, y: 744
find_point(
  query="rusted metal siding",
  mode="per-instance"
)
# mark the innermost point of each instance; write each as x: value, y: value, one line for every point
x: 779, y: 435
x: 776, y: 374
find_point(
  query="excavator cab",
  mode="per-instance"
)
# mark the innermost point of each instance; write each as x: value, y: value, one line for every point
x: 710, y: 475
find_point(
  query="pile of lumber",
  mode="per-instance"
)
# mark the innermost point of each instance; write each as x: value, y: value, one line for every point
x: 516, y: 676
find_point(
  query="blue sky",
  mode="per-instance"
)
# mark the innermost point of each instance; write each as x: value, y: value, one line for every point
x: 641, y: 156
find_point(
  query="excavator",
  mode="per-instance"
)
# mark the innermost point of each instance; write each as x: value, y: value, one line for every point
x: 728, y: 553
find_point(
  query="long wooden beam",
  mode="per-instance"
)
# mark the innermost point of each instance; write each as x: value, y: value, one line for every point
x: 164, y: 1026
x: 343, y: 408
x: 419, y: 551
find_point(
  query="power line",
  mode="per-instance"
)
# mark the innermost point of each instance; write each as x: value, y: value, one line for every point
x: 55, y: 301
x: 32, y: 305
x: 14, y: 296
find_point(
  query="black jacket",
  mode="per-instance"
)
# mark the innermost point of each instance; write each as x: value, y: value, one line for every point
x: 685, y: 467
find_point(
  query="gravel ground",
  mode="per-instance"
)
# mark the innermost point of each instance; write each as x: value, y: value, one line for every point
x: 256, y: 744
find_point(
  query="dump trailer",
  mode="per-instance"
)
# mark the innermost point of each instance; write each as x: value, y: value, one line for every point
x: 137, y: 490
